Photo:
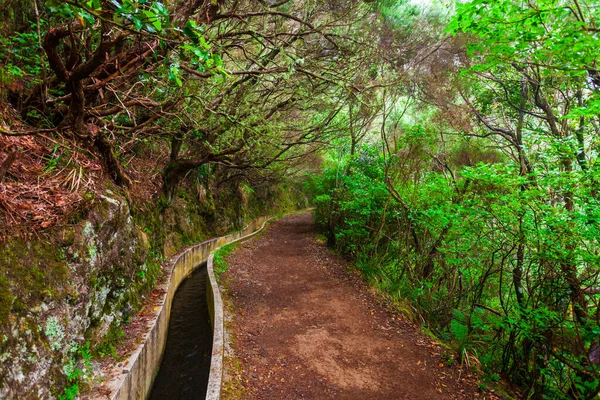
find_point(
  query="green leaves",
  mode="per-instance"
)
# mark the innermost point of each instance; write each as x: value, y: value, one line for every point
x: 86, y: 16
x: 152, y: 17
x: 147, y: 16
x: 157, y: 15
x: 459, y: 329
x: 94, y: 5
x: 175, y: 74
x: 195, y: 33
x: 547, y: 33
x: 591, y: 108
x: 59, y: 8
x: 198, y: 52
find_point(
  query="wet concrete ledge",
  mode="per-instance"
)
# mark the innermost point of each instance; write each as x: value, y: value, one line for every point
x: 134, y: 379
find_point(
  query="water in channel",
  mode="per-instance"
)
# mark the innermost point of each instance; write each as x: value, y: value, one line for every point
x: 185, y: 366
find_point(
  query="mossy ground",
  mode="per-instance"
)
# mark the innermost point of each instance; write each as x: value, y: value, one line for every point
x: 219, y: 263
x: 233, y: 388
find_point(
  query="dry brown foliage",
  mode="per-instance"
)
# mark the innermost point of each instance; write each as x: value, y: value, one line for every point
x: 44, y: 184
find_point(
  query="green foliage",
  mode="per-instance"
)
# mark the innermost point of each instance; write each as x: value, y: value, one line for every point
x: 459, y: 329
x: 143, y: 15
x: 110, y: 342
x: 447, y: 243
x: 151, y: 18
x: 219, y: 264
x: 57, y: 158
x: 21, y: 58
x: 76, y: 370
x: 557, y: 35
x: 322, y: 205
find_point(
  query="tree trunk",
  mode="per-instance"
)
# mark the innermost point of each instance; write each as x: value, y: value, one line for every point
x: 112, y: 164
x: 174, y: 172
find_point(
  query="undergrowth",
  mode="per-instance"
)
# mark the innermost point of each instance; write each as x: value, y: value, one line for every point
x: 219, y: 264
x: 77, y: 370
x: 110, y: 343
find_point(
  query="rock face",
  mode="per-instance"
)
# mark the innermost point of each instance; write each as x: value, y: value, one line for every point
x: 62, y: 291
x: 63, y: 294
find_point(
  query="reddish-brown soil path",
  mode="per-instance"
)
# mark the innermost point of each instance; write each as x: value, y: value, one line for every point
x: 303, y: 327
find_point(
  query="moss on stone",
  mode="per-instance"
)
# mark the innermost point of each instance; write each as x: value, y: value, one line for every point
x: 35, y: 271
x: 6, y: 301
x: 109, y: 344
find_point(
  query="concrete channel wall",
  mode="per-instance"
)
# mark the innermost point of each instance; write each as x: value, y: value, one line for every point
x: 135, y: 379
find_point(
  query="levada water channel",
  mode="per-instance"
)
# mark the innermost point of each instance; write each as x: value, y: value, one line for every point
x: 185, y: 366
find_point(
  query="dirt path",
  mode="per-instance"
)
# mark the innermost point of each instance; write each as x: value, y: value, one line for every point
x: 306, y: 328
